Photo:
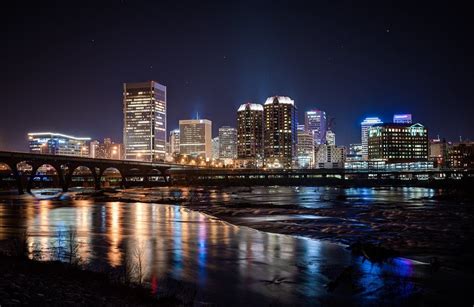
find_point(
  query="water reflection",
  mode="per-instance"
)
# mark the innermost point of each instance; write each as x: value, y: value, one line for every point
x: 229, y: 264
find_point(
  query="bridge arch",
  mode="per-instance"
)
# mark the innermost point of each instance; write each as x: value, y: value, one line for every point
x: 44, y: 171
x: 7, y: 176
x: 5, y: 167
x: 83, y: 174
x: 115, y: 176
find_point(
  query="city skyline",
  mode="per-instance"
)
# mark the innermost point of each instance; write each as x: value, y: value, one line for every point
x: 395, y: 63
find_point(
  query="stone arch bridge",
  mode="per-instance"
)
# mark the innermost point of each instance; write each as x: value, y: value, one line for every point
x: 66, y: 165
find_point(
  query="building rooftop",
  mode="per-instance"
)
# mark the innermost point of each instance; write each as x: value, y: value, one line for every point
x: 371, y: 121
x: 250, y: 106
x: 54, y: 134
x: 280, y: 99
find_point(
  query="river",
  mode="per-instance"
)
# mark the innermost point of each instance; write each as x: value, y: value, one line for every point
x: 226, y: 264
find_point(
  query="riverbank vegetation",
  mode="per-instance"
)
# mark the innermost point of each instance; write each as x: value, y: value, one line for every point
x: 57, y: 275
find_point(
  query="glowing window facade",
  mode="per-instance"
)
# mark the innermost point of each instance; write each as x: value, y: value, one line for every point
x: 58, y: 144
x: 280, y: 132
x: 144, y: 129
x: 398, y: 142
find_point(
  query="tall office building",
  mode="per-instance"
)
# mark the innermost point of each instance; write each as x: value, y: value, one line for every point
x: 280, y: 136
x: 402, y: 119
x: 195, y: 137
x: 215, y: 148
x: 144, y: 127
x: 315, y: 121
x: 227, y: 142
x: 174, y: 141
x: 305, y: 149
x: 330, y: 137
x: 250, y: 132
x: 365, y: 125
x: 58, y: 144
x: 398, y: 143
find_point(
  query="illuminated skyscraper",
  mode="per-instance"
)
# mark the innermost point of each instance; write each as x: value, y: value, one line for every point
x: 280, y: 136
x: 227, y: 143
x: 195, y: 137
x: 250, y: 133
x: 402, y: 118
x: 174, y: 141
x: 315, y: 122
x: 58, y: 144
x: 365, y: 125
x: 144, y: 128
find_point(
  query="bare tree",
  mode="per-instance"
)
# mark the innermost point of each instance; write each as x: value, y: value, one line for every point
x: 72, y: 247
x: 56, y: 246
x: 139, y: 255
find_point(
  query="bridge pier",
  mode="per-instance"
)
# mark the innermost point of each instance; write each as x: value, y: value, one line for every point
x: 17, y: 176
x: 62, y: 181
x: 123, y: 183
x: 29, y: 185
x: 97, y: 178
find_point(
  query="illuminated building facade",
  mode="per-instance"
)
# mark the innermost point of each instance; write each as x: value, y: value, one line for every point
x: 354, y: 153
x: 144, y: 128
x: 315, y: 121
x: 398, y: 142
x: 227, y: 142
x: 195, y: 137
x: 174, y: 142
x: 330, y: 137
x: 365, y: 125
x: 106, y: 150
x: 250, y: 133
x: 305, y: 149
x: 215, y: 148
x: 330, y: 156
x: 280, y: 136
x: 438, y: 152
x: 402, y: 119
x: 461, y: 155
x: 58, y: 144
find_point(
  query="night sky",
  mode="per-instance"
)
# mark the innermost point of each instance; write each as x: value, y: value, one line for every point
x: 63, y: 65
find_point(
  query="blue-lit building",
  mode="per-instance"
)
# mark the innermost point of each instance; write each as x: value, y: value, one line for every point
x: 58, y: 144
x: 365, y: 125
x: 402, y: 119
x: 315, y: 122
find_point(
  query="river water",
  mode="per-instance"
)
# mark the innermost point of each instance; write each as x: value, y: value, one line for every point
x: 226, y: 264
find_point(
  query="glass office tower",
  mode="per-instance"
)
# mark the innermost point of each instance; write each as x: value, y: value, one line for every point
x: 144, y: 127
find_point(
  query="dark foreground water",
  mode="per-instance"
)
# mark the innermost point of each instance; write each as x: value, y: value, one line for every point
x: 228, y: 264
